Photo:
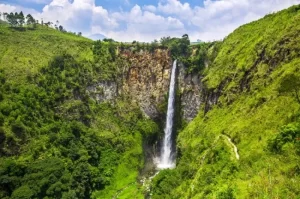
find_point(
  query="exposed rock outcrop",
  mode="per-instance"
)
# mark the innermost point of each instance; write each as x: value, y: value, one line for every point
x: 190, y: 86
x: 146, y: 78
x: 103, y: 91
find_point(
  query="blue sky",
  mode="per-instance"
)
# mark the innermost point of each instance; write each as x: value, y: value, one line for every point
x: 112, y: 5
x: 146, y: 20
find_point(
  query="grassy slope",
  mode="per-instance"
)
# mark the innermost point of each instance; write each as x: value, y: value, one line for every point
x: 263, y: 53
x: 25, y: 52
x: 112, y: 137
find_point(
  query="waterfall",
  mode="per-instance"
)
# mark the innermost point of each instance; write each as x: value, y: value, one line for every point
x: 166, y: 159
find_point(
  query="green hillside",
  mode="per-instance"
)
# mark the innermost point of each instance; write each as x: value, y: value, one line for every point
x: 25, y: 51
x: 55, y: 142
x: 256, y: 74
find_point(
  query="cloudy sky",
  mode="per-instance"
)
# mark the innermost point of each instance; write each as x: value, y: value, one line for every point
x: 146, y: 20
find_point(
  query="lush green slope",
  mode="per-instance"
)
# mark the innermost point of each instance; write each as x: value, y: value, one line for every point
x: 27, y: 50
x: 55, y: 142
x: 257, y: 75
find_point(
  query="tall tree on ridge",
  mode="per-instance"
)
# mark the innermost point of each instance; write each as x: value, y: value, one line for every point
x: 21, y: 18
x: 11, y: 19
x: 30, y: 20
x: 56, y: 24
x: 61, y: 28
x: 16, y: 18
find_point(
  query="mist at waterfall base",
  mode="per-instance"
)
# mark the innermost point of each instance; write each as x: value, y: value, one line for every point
x: 166, y: 159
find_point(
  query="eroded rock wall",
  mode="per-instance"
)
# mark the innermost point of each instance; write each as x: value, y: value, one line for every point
x: 145, y: 78
x: 103, y: 91
x: 191, y: 88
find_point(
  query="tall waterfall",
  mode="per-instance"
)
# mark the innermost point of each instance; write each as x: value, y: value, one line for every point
x: 166, y: 158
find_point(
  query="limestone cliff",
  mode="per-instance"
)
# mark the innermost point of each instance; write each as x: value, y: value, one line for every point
x: 191, y: 88
x: 145, y: 78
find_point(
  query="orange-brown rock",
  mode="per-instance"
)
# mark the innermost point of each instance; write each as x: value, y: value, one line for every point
x: 147, y: 78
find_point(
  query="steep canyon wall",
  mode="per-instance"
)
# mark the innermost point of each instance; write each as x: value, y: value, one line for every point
x: 145, y: 78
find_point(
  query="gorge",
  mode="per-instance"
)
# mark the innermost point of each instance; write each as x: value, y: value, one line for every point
x: 84, y: 119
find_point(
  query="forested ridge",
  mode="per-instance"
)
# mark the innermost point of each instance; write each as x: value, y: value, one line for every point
x: 56, y: 142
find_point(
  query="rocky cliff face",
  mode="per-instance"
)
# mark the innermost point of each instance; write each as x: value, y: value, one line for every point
x: 145, y: 77
x: 191, y: 88
x: 103, y: 91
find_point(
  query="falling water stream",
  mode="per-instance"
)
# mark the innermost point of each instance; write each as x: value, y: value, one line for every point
x: 167, y: 159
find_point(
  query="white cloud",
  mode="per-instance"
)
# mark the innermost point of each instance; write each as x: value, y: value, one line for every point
x: 12, y: 8
x: 149, y: 8
x: 175, y: 7
x: 218, y: 18
x: 215, y: 20
x: 7, y: 8
x: 103, y: 18
x: 142, y: 25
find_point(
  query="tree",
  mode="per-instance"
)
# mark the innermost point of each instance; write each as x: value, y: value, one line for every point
x: 108, y: 40
x: 153, y: 46
x: 30, y: 20
x: 112, y: 50
x: 56, y: 24
x: 12, y: 19
x: 165, y: 40
x: 79, y: 34
x: 186, y: 36
x: 290, y: 84
x: 21, y: 19
x: 184, y: 44
x: 61, y: 28
x: 16, y: 16
x: 48, y: 24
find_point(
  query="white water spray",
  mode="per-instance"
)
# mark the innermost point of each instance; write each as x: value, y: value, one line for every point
x: 166, y: 159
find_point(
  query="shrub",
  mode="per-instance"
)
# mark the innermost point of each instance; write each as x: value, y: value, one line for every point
x: 288, y: 134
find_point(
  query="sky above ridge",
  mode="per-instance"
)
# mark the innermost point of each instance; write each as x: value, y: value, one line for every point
x: 146, y: 20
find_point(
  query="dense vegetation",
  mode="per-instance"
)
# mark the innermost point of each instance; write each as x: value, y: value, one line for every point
x: 19, y: 21
x: 55, y: 141
x: 255, y: 75
x: 58, y: 142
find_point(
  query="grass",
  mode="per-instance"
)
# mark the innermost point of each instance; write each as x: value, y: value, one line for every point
x: 56, y: 142
x: 248, y: 71
x: 24, y: 51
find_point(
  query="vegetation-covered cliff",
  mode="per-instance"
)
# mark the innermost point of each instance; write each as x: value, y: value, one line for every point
x: 254, y: 81
x: 55, y: 140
